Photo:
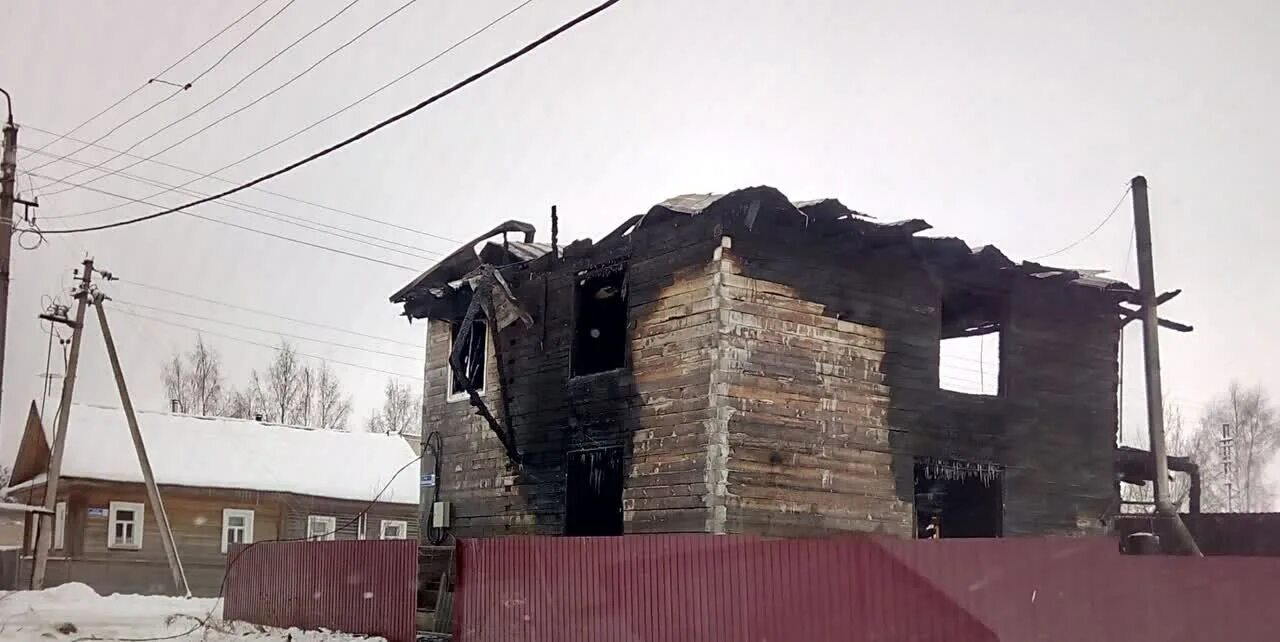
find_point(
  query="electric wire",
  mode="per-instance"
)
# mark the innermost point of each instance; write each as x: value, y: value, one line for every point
x: 506, y: 60
x: 1091, y: 232
x: 289, y: 219
x: 124, y: 310
x: 251, y: 229
x: 233, y: 324
x: 227, y: 91
x: 230, y: 182
x: 161, y: 74
x: 259, y: 152
x: 234, y: 306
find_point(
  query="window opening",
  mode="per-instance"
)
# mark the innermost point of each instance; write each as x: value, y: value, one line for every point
x: 394, y: 529
x: 958, y: 499
x: 237, y: 527
x: 124, y: 529
x: 970, y: 364
x: 600, y: 326
x: 321, y: 528
x: 472, y: 358
x: 593, y: 494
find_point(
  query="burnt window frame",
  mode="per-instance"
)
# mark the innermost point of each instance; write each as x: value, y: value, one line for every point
x: 451, y: 394
x: 580, y: 280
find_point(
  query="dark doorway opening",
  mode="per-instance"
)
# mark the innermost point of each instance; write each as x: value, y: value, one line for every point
x: 472, y: 356
x: 600, y: 325
x: 593, y: 492
x: 958, y: 499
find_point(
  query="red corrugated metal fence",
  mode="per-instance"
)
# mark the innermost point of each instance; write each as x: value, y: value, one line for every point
x: 367, y: 587
x: 692, y: 588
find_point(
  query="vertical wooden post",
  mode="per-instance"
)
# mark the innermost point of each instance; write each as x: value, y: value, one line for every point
x: 153, y: 493
x: 44, y: 537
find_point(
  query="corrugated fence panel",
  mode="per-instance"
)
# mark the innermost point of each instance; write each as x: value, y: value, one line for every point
x: 691, y: 588
x: 367, y: 587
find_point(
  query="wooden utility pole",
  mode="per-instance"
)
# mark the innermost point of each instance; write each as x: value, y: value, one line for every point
x: 153, y: 493
x: 1151, y: 361
x: 45, y: 531
x: 8, y: 176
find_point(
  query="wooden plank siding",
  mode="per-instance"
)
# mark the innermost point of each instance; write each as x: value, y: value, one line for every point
x: 195, y: 514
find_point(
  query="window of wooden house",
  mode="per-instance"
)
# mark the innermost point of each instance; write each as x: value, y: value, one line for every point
x: 322, y: 528
x: 600, y: 323
x: 124, y: 528
x: 394, y: 529
x: 362, y: 526
x: 472, y: 358
x: 958, y: 499
x: 237, y: 527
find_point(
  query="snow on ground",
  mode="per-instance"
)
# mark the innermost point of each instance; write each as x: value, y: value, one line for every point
x: 73, y: 612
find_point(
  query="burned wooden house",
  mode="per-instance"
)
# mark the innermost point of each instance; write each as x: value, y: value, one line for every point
x: 742, y: 363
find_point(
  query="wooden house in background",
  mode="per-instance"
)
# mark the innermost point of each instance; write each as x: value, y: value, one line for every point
x: 742, y: 363
x: 222, y: 482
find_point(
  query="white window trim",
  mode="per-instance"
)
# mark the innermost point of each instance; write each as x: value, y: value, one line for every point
x: 328, y: 534
x: 139, y: 512
x: 450, y: 397
x: 60, y: 526
x: 362, y: 526
x: 227, y: 514
x: 404, y: 528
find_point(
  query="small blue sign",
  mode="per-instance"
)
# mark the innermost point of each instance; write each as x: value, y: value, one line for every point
x: 428, y: 480
x: 97, y: 512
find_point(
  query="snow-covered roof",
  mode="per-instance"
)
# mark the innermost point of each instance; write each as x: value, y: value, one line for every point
x: 216, y: 452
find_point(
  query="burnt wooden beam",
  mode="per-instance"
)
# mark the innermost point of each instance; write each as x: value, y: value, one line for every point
x: 459, y: 376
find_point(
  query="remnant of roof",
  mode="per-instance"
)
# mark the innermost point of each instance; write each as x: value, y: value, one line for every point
x: 216, y: 452
x: 826, y: 217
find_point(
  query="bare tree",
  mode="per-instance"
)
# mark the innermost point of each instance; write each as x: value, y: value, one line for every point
x: 1255, y: 428
x: 195, y: 380
x: 328, y: 407
x: 401, y: 410
x: 1180, y: 440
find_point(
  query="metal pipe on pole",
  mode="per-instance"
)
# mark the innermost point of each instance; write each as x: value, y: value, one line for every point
x: 1151, y: 363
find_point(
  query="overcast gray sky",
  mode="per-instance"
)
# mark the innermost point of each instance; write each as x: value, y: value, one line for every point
x: 1011, y: 123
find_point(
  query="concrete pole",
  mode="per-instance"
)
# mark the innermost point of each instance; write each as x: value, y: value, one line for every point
x: 45, y: 532
x: 1151, y: 361
x: 8, y: 176
x: 153, y: 493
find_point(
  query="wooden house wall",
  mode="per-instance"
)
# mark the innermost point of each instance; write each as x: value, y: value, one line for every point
x: 657, y: 409
x: 195, y: 514
x: 781, y: 383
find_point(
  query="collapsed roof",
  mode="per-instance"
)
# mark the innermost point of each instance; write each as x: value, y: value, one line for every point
x: 826, y: 218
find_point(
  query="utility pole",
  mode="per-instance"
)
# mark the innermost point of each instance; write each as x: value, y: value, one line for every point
x: 1151, y: 361
x: 44, y: 537
x: 153, y: 493
x: 8, y: 176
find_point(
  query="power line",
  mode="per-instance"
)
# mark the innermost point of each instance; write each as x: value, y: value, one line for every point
x: 1091, y: 232
x: 165, y: 71
x: 230, y: 182
x: 237, y: 226
x: 352, y: 139
x: 317, y: 123
x: 234, y: 306
x: 340, y: 232
x: 265, y: 345
x: 233, y: 324
x: 224, y: 93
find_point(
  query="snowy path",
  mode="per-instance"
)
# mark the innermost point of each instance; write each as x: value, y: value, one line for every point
x: 75, y: 612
